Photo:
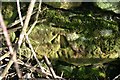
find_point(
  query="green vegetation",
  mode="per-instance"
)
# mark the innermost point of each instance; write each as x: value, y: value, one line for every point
x: 81, y: 43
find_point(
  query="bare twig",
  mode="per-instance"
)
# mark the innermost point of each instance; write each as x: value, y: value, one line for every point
x: 7, y: 68
x: 46, y: 72
x: 33, y: 25
x: 5, y: 32
x: 36, y: 18
x: 50, y: 66
x: 51, y: 69
x: 19, y: 12
x: 23, y: 18
x: 39, y: 9
x: 34, y: 54
x: 29, y: 13
x: 41, y: 68
x: 117, y: 77
x: 23, y: 32
x: 4, y: 56
x: 18, y: 21
x: 1, y: 66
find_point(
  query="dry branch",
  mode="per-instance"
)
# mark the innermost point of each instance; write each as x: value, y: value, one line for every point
x: 13, y: 58
x: 25, y: 26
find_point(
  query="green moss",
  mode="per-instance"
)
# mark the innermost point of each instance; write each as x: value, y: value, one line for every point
x: 64, y: 5
x: 9, y: 12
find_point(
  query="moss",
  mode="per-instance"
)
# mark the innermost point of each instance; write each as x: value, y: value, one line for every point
x: 63, y: 5
x: 9, y: 12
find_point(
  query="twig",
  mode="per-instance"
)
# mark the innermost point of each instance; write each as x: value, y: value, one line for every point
x: 5, y: 32
x: 117, y: 77
x: 50, y: 67
x: 34, y: 54
x: 19, y: 12
x: 1, y: 66
x: 7, y: 68
x: 46, y: 72
x: 4, y: 56
x: 36, y: 18
x: 33, y: 25
x: 29, y: 13
x: 41, y: 68
x: 18, y: 21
